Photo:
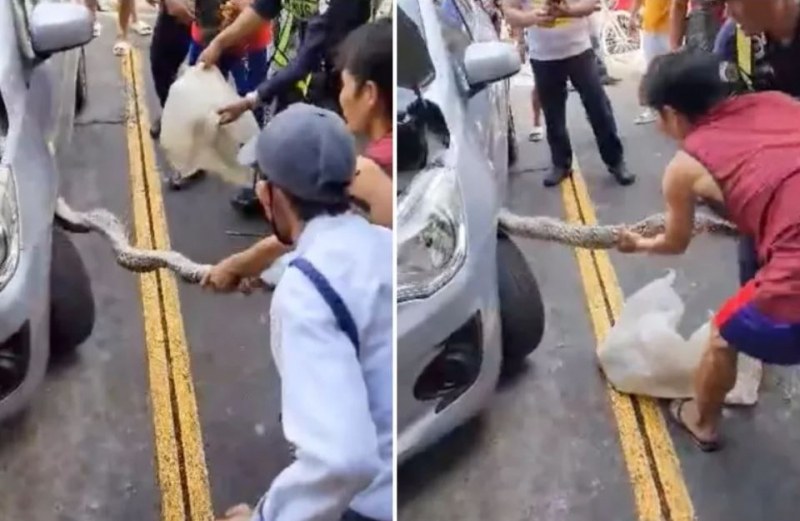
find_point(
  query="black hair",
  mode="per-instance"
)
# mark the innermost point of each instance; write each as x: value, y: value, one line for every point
x: 690, y: 81
x: 307, y: 210
x: 366, y: 53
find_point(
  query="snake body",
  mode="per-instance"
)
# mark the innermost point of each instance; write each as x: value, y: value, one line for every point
x: 140, y: 260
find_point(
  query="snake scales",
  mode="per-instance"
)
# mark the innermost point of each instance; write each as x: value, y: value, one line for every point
x: 544, y: 228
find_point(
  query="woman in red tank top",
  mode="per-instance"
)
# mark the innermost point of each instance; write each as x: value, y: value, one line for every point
x: 366, y: 98
x: 742, y: 153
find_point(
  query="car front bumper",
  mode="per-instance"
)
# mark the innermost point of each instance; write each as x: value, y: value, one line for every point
x: 424, y: 327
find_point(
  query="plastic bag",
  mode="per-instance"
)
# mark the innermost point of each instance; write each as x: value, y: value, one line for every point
x: 191, y: 135
x: 644, y: 353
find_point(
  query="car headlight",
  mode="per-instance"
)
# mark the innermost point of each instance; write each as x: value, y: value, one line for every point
x: 431, y: 234
x: 9, y: 226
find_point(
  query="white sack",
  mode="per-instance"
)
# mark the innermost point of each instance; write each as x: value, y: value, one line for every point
x: 644, y: 353
x: 191, y: 135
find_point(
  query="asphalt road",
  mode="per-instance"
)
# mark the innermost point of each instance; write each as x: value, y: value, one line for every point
x: 556, y: 444
x: 170, y: 409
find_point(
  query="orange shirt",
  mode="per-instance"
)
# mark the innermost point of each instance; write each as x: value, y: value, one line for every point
x: 655, y: 16
x: 259, y: 41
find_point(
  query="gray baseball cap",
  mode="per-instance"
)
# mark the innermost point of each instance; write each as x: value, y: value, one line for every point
x: 307, y: 151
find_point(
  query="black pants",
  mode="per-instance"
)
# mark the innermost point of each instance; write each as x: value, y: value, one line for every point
x: 748, y: 260
x: 167, y: 51
x: 551, y: 83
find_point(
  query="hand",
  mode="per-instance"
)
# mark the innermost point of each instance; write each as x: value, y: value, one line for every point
x: 180, y: 9
x: 210, y: 55
x: 224, y: 277
x: 238, y: 513
x: 248, y: 285
x: 543, y: 18
x: 560, y: 9
x: 234, y: 111
x: 629, y: 242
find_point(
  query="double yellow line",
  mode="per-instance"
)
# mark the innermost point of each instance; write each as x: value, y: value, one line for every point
x: 180, y: 459
x: 660, y: 492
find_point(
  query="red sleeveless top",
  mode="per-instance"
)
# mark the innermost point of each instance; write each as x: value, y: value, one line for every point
x: 751, y: 146
x: 382, y: 151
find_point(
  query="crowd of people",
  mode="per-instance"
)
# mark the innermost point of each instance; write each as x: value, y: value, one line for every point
x: 723, y: 80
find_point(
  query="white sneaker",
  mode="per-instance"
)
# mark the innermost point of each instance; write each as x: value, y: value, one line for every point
x: 536, y: 135
x: 645, y: 117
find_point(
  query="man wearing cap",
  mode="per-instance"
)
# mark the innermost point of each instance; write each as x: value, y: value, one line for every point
x: 331, y: 325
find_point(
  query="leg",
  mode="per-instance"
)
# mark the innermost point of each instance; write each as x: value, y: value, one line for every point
x: 551, y: 84
x: 122, y: 46
x: 584, y: 75
x: 653, y: 45
x: 167, y: 51
x: 536, y: 106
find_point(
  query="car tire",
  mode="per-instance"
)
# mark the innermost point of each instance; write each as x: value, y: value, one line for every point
x: 81, y: 84
x: 513, y: 146
x: 522, y: 314
x: 72, y: 310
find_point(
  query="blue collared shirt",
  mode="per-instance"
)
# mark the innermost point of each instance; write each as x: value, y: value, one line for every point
x: 336, y: 405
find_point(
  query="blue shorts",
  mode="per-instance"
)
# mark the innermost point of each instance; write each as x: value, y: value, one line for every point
x: 750, y: 331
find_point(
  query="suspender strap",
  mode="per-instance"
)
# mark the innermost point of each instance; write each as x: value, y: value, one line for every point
x: 744, y: 57
x: 335, y: 302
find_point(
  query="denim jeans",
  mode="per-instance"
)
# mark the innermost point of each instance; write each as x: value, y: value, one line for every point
x: 748, y: 260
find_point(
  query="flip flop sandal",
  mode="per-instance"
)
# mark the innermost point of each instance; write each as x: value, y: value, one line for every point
x: 675, y: 410
x: 142, y: 28
x: 121, y: 48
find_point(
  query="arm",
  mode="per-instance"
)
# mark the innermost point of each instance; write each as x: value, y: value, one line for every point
x: 680, y: 178
x: 228, y: 274
x: 308, y: 57
x: 679, y: 9
x: 518, y: 17
x: 245, y: 25
x: 325, y: 410
x: 374, y: 188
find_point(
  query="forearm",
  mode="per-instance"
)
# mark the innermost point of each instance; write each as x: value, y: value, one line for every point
x: 260, y: 256
x: 245, y: 25
x: 515, y: 16
x: 662, y: 245
x: 677, y: 22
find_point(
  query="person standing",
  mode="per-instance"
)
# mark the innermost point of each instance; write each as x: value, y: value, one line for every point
x: 560, y: 48
x: 171, y: 37
x: 696, y: 28
x: 128, y: 18
x: 742, y: 152
x: 652, y: 17
x: 331, y: 333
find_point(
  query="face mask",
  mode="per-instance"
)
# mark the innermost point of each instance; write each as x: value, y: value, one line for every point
x: 283, y: 238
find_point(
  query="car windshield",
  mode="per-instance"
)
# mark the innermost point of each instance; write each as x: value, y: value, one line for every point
x: 414, y: 66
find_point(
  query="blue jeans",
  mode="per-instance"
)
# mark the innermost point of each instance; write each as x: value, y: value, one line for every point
x: 248, y: 71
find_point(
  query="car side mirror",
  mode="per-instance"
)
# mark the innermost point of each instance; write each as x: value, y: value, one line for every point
x: 490, y: 62
x: 56, y: 27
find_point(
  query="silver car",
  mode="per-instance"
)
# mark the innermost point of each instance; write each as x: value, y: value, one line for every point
x: 468, y: 304
x: 45, y: 295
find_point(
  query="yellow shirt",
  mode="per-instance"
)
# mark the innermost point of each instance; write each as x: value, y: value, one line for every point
x: 655, y: 18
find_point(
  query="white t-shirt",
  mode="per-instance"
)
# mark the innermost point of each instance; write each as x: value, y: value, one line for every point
x: 567, y: 38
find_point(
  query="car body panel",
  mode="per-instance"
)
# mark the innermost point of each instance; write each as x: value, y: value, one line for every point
x: 478, y: 153
x: 35, y: 96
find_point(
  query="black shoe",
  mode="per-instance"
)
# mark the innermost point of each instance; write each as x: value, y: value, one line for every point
x: 621, y: 174
x: 557, y: 175
x: 246, y: 201
x: 155, y: 129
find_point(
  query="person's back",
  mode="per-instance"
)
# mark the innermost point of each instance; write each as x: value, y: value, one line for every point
x: 356, y: 258
x: 751, y: 146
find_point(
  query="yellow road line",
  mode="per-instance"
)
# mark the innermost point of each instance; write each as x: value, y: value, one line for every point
x: 659, y: 489
x: 180, y: 458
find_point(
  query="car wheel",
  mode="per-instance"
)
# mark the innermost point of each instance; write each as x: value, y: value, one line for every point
x: 81, y: 84
x: 72, y: 310
x: 521, y: 307
x: 513, y: 147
